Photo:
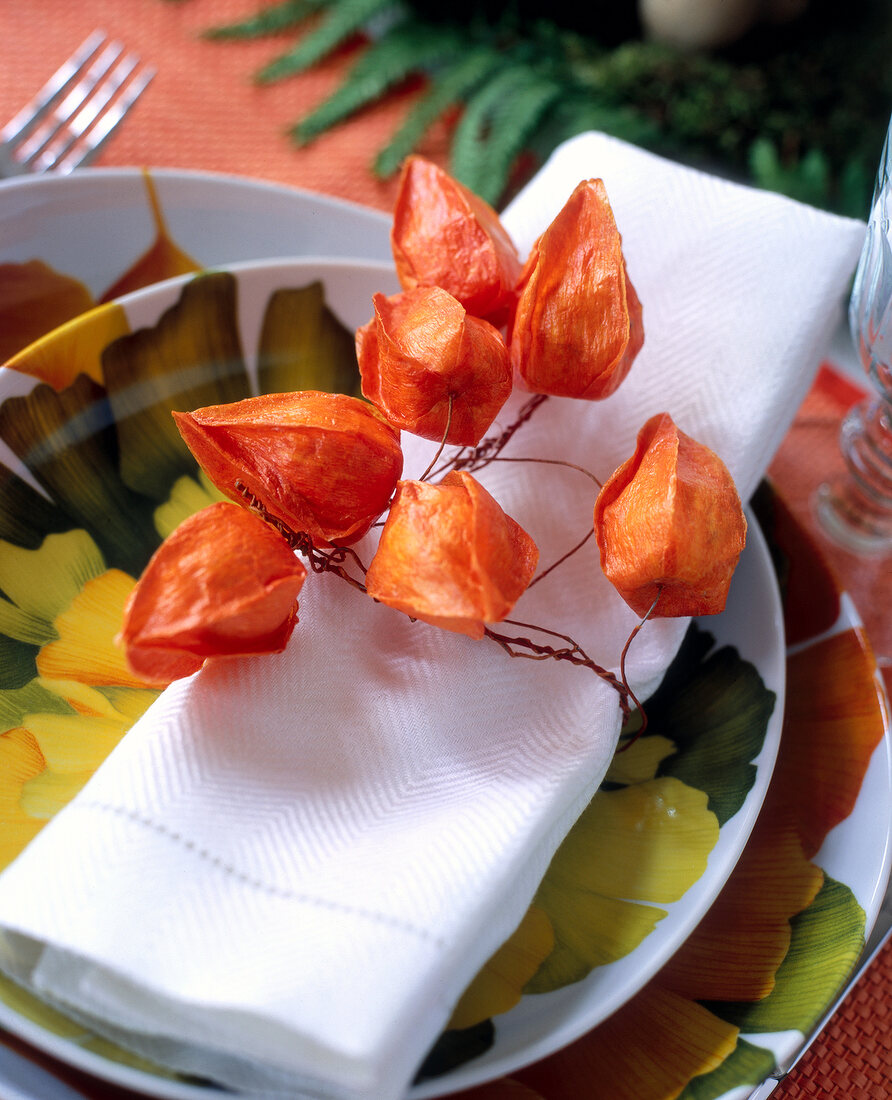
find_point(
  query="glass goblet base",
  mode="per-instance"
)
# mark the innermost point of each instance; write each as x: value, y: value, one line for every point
x: 855, y: 509
x: 849, y: 519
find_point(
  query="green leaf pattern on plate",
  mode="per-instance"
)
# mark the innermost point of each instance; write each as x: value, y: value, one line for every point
x: 748, y: 1065
x: 827, y: 939
x: 117, y: 479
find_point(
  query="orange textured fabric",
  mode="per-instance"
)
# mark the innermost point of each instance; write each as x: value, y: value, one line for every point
x: 203, y: 110
x: 852, y: 1058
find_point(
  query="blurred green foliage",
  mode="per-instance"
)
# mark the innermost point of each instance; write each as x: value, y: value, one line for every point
x: 800, y: 108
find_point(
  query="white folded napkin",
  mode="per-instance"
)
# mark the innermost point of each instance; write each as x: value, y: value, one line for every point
x: 291, y: 867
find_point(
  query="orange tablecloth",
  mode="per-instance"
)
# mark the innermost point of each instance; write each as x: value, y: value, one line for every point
x: 203, y: 112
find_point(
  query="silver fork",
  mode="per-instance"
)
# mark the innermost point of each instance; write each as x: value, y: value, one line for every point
x: 75, y: 112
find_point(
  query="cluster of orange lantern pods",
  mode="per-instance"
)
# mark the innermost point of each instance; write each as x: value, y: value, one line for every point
x: 312, y: 471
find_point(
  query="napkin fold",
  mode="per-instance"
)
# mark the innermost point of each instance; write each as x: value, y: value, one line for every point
x: 291, y: 867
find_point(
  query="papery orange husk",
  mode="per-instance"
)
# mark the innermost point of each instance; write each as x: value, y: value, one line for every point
x: 450, y: 555
x: 670, y: 518
x: 578, y: 325
x: 444, y: 235
x: 224, y: 583
x: 421, y: 350
x: 324, y: 463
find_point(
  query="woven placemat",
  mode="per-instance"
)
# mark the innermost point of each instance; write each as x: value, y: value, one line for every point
x: 852, y: 1058
x: 203, y: 109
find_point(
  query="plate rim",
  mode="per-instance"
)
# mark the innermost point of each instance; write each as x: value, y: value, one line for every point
x: 88, y: 178
x: 148, y: 304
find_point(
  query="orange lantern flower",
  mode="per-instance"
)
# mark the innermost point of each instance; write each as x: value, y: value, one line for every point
x: 670, y: 519
x: 223, y: 584
x: 450, y: 556
x: 324, y: 463
x: 427, y: 364
x: 577, y: 327
x: 444, y: 235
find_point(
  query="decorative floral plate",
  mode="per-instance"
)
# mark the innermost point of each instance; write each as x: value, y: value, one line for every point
x: 112, y: 477
x: 735, y: 1005
x: 826, y: 820
x: 97, y: 234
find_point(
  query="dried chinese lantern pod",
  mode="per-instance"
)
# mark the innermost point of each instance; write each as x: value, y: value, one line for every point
x: 577, y: 327
x: 670, y: 518
x: 444, y: 235
x: 224, y: 583
x: 324, y: 463
x: 421, y: 350
x: 450, y: 556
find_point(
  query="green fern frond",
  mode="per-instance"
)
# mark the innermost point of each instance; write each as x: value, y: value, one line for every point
x: 270, y: 20
x: 778, y: 107
x: 807, y: 179
x: 408, y: 48
x: 451, y: 85
x: 343, y: 19
x: 578, y: 113
x: 855, y: 183
x: 496, y: 125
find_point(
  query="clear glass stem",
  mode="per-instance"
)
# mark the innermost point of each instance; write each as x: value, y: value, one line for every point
x: 856, y: 509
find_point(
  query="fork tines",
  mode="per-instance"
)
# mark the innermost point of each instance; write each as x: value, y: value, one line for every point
x: 74, y: 113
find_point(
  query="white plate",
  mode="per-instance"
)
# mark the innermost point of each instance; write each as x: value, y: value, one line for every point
x: 94, y: 224
x: 752, y: 623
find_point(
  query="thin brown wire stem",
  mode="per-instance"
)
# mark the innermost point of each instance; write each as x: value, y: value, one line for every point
x: 622, y: 669
x: 551, y: 462
x: 543, y: 630
x: 475, y: 458
x: 453, y: 463
x: 331, y: 560
x: 320, y: 560
x: 573, y: 653
x: 579, y: 545
x: 339, y: 553
x: 436, y: 458
x: 486, y: 451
